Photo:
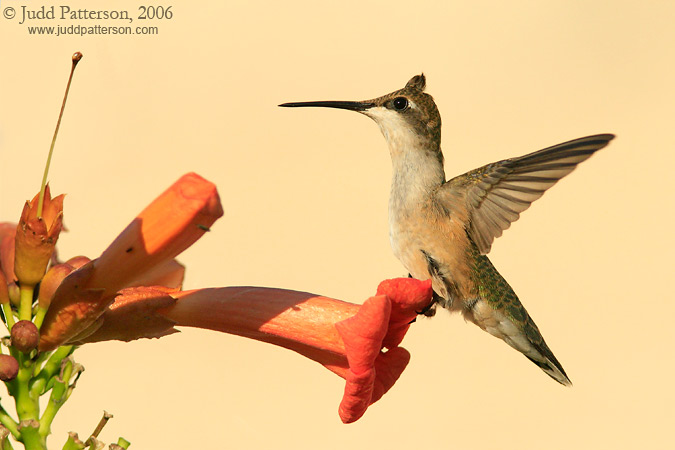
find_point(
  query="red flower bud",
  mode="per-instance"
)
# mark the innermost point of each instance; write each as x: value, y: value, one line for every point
x: 7, y: 236
x: 14, y: 293
x: 36, y: 238
x: 25, y: 336
x: 51, y: 281
x: 78, y: 261
x: 4, y: 292
x: 9, y: 367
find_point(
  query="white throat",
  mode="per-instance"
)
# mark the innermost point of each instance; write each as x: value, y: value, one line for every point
x: 416, y: 169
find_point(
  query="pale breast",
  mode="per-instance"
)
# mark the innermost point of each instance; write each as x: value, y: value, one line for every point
x: 425, y: 234
x: 407, y: 238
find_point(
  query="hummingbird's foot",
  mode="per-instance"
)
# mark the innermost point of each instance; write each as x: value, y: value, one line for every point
x: 430, y: 309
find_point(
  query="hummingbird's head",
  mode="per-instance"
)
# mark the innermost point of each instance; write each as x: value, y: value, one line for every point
x: 407, y: 117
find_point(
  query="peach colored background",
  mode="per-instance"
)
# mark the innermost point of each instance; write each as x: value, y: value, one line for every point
x: 305, y: 194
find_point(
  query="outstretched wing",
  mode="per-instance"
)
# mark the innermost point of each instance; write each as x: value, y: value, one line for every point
x: 497, y: 193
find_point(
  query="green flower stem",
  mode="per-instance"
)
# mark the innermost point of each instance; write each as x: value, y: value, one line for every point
x: 27, y: 406
x: 123, y: 443
x: 52, y: 366
x: 6, y: 445
x: 4, y: 439
x: 60, y: 394
x: 30, y: 436
x: 39, y: 316
x: 9, y: 314
x: 73, y: 442
x: 48, y: 417
x: 38, y: 360
x: 26, y: 303
x: 9, y: 422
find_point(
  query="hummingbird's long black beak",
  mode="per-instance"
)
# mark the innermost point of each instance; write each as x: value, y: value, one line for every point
x: 352, y: 106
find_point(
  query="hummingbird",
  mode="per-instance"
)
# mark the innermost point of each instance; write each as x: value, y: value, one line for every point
x: 443, y: 230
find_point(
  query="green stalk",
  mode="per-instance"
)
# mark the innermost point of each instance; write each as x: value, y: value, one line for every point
x: 39, y: 383
x: 27, y: 406
x: 9, y: 422
x: 48, y: 417
x: 30, y: 437
x: 39, y: 317
x: 9, y: 314
x: 123, y: 443
x: 4, y: 438
x: 57, y: 399
x: 38, y: 360
x: 26, y: 303
x: 73, y: 442
x: 6, y: 444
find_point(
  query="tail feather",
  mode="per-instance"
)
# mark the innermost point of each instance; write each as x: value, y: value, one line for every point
x: 553, y: 370
x: 546, y: 360
x: 523, y: 336
x: 551, y: 366
x: 497, y: 310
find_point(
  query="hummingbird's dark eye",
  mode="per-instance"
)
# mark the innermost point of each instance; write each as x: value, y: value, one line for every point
x: 400, y: 103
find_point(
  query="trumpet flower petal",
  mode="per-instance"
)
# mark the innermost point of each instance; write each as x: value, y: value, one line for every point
x: 144, y: 250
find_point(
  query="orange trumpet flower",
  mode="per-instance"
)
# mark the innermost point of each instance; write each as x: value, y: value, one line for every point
x: 346, y: 338
x: 144, y: 250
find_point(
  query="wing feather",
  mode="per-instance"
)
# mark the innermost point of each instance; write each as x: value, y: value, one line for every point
x: 497, y: 193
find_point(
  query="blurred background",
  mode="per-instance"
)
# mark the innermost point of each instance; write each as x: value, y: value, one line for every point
x: 305, y: 196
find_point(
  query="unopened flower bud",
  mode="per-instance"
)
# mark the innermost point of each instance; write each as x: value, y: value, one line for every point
x: 7, y: 237
x: 51, y: 281
x: 78, y: 261
x: 9, y: 367
x: 4, y: 292
x: 14, y: 293
x: 36, y: 238
x: 25, y: 336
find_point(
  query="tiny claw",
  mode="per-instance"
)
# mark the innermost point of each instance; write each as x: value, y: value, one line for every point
x: 430, y: 309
